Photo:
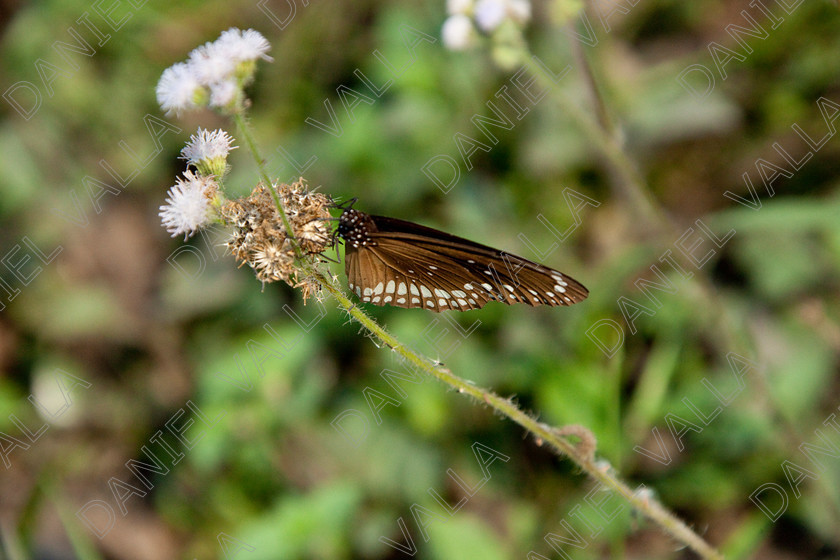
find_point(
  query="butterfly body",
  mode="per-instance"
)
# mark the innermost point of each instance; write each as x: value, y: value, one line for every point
x: 400, y: 263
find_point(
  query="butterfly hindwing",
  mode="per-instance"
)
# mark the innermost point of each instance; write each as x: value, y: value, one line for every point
x: 485, y: 276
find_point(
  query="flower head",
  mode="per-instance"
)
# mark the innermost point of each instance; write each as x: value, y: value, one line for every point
x: 178, y: 88
x: 519, y: 11
x: 211, y: 64
x: 208, y: 151
x: 260, y: 239
x: 458, y: 32
x: 243, y: 46
x: 189, y: 205
x: 489, y: 14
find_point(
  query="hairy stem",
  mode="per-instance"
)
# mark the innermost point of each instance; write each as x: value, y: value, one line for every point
x: 543, y: 433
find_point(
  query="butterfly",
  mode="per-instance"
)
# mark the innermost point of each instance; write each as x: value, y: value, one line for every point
x: 391, y: 261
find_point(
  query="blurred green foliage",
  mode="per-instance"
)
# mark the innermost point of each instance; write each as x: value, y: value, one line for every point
x: 269, y: 469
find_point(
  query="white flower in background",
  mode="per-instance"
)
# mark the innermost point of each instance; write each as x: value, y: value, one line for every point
x: 215, y: 72
x: 489, y: 14
x: 519, y: 10
x: 463, y: 7
x: 189, y: 205
x: 177, y: 88
x: 208, y: 151
x: 469, y: 17
x: 458, y: 32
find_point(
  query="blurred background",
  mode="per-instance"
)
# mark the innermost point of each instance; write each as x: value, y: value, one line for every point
x: 157, y: 402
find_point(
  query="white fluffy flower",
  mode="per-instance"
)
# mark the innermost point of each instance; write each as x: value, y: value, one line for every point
x: 489, y: 14
x: 243, y: 45
x: 176, y: 88
x: 188, y: 206
x: 458, y: 32
x: 206, y: 144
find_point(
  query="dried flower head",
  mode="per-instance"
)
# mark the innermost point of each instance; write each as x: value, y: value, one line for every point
x: 259, y: 238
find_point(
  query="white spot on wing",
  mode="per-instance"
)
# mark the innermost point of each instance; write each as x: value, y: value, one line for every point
x: 442, y: 293
x: 487, y: 287
x: 389, y: 289
x: 402, y: 289
x: 414, y: 290
x: 378, y: 289
x: 458, y: 293
x: 425, y: 291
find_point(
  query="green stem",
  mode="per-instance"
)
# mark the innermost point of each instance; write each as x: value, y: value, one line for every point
x: 542, y: 432
x: 247, y: 135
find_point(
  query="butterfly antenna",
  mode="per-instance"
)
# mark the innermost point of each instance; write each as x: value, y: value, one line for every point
x: 343, y: 205
x: 326, y: 258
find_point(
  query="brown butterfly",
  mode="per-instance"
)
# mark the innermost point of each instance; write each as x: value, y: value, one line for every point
x: 408, y: 265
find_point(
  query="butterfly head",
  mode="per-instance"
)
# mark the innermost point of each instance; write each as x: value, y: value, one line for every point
x: 355, y: 228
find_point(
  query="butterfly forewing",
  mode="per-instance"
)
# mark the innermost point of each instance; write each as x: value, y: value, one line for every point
x: 408, y: 265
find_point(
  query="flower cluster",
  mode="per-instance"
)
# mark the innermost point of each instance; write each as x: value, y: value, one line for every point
x: 470, y: 18
x: 214, y: 74
x: 192, y: 202
x: 260, y: 240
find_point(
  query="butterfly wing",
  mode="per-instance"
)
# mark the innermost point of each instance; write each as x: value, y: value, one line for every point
x: 409, y: 265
